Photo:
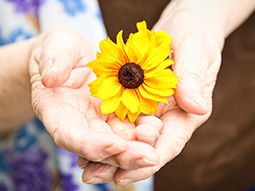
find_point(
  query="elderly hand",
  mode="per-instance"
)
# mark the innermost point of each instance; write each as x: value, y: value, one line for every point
x: 198, y: 29
x: 61, y: 100
x: 197, y: 56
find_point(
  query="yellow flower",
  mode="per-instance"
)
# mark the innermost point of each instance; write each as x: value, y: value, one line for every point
x: 133, y: 77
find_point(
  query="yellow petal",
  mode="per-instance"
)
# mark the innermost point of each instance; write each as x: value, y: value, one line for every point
x: 111, y: 49
x: 132, y: 116
x: 121, y: 112
x: 164, y: 79
x: 134, y: 55
x: 110, y: 105
x: 109, y: 88
x: 162, y: 38
x: 141, y: 26
x: 141, y: 44
x: 108, y: 59
x: 167, y: 91
x: 149, y: 106
x: 154, y: 71
x: 105, y: 71
x: 151, y: 96
x: 157, y: 55
x: 121, y: 44
x: 103, y: 68
x: 95, y: 85
x: 130, y: 100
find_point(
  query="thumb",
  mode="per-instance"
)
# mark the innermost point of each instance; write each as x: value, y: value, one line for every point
x: 191, y: 67
x: 56, y: 71
x: 63, y: 52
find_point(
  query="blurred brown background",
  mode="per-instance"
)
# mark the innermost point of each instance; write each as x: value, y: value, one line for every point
x: 221, y: 153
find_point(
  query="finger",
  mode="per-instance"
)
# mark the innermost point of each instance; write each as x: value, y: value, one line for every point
x: 96, y: 173
x: 132, y: 157
x: 123, y: 129
x: 150, y: 120
x: 77, y: 77
x: 70, y: 131
x: 136, y: 155
x: 57, y: 57
x: 191, y: 64
x: 124, y: 177
x: 148, y: 129
x: 82, y: 162
x: 178, y: 128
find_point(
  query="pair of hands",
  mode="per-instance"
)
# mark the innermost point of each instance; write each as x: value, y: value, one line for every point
x: 109, y: 149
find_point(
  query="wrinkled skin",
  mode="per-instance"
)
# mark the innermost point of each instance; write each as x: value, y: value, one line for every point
x: 110, y: 150
x: 197, y: 56
x: 61, y: 100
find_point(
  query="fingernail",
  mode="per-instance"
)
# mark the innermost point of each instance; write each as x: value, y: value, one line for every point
x: 114, y: 149
x: 200, y: 101
x: 124, y: 182
x: 82, y: 163
x: 144, y: 162
x: 94, y: 180
x: 48, y: 65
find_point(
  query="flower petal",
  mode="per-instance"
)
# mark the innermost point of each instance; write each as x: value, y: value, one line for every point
x: 111, y: 49
x: 108, y: 59
x: 162, y: 38
x: 157, y: 55
x: 149, y: 106
x: 161, y: 92
x: 151, y: 96
x: 121, y: 44
x: 164, y: 79
x: 110, y: 105
x: 121, y: 112
x: 94, y: 85
x: 103, y: 68
x: 134, y: 52
x: 140, y: 43
x: 141, y: 26
x: 130, y: 100
x: 163, y: 65
x: 109, y: 88
x: 133, y: 116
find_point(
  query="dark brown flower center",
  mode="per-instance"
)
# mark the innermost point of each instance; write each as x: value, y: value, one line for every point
x: 131, y: 75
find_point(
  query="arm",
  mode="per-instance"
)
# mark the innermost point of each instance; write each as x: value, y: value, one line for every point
x: 15, y: 102
x: 220, y: 16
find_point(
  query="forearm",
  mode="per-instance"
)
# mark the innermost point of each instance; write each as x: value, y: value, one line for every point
x: 15, y: 106
x: 221, y: 17
x: 226, y: 15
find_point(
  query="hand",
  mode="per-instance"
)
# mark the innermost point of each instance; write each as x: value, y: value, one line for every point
x: 61, y: 100
x: 197, y: 56
x: 145, y: 130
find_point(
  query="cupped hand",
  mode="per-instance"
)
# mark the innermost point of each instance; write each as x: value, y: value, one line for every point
x: 197, y: 56
x: 61, y: 100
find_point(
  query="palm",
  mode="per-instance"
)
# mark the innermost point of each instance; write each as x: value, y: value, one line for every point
x: 61, y: 100
x: 197, y: 68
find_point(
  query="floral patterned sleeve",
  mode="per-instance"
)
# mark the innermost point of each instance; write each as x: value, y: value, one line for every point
x: 29, y: 159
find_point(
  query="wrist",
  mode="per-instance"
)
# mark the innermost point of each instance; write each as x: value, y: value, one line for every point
x: 15, y: 98
x: 222, y: 16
